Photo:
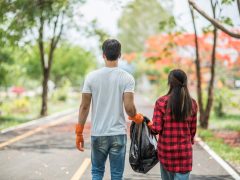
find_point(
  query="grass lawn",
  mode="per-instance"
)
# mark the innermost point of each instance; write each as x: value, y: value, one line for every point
x: 227, y: 152
x: 8, y: 121
x: 227, y: 122
x: 15, y: 116
x: 220, y: 125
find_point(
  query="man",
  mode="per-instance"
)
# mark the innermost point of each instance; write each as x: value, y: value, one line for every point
x: 109, y: 88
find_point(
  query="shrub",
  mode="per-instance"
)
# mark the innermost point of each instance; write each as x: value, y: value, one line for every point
x: 222, y: 97
x: 20, y: 105
x: 61, y: 93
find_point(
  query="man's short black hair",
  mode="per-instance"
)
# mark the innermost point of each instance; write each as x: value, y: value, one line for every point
x: 111, y: 49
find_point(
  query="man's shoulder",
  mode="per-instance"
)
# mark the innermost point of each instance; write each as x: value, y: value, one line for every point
x: 93, y: 74
x: 126, y: 74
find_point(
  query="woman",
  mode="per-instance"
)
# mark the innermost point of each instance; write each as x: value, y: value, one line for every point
x: 174, y: 119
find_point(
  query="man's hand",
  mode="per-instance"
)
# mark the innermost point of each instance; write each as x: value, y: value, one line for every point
x: 138, y: 118
x: 79, y: 137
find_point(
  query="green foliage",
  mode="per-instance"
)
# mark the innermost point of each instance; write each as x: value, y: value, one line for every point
x: 204, y: 134
x: 208, y: 29
x: 235, y: 105
x: 61, y: 94
x: 153, y: 75
x: 71, y: 62
x: 167, y: 25
x: 20, y: 67
x: 226, y: 122
x: 9, y: 117
x: 140, y: 19
x: 20, y: 23
x: 31, y: 62
x: 19, y: 105
x: 10, y: 120
x: 5, y: 65
x: 12, y: 66
x: 227, y: 21
x: 222, y: 97
x: 6, y: 36
x: 162, y: 87
x: 167, y: 70
x: 141, y: 66
x: 227, y: 2
x: 26, y: 14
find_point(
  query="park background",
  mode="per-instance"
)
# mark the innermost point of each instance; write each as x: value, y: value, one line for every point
x: 48, y: 47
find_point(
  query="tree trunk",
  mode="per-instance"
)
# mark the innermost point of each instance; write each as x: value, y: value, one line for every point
x: 198, y: 72
x: 44, y: 92
x: 205, y: 113
x: 203, y: 120
x: 211, y: 83
x: 46, y: 73
x: 46, y: 65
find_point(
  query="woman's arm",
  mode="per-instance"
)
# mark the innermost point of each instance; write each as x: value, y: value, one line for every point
x: 157, y: 120
x: 193, y: 123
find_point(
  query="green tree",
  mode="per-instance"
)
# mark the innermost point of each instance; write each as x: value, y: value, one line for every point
x: 217, y: 22
x: 6, y: 59
x: 5, y: 65
x: 32, y: 63
x: 76, y: 62
x: 72, y: 63
x: 140, y: 19
x: 6, y: 36
x: 44, y: 20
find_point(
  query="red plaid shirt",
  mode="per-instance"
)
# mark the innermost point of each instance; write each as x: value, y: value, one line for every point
x: 175, y: 138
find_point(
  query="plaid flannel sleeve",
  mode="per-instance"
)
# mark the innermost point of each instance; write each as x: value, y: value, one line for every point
x: 193, y: 123
x: 157, y: 119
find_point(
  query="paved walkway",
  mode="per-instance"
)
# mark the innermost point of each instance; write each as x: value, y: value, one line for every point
x: 46, y: 151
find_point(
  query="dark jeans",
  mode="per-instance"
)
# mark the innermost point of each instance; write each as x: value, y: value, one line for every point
x: 115, y: 147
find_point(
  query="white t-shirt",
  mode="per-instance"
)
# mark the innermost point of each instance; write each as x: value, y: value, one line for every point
x: 107, y: 86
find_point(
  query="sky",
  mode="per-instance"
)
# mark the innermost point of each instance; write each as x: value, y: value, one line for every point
x: 107, y: 13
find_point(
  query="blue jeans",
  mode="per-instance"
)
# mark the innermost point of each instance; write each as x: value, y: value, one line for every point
x: 115, y: 147
x: 167, y: 175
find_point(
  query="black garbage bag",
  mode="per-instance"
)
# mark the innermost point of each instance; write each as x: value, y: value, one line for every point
x: 143, y: 149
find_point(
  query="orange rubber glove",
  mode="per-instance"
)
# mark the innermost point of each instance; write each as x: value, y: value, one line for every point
x: 79, y: 137
x: 138, y: 118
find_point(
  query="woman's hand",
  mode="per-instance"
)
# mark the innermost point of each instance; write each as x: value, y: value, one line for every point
x: 148, y: 121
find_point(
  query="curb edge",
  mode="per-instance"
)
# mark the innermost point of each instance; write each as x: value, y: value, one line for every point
x: 217, y: 158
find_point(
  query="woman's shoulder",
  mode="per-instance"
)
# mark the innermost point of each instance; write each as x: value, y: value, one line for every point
x: 162, y: 101
x: 195, y: 106
x: 194, y: 101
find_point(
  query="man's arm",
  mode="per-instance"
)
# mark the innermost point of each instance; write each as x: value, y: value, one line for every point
x: 84, y: 108
x: 83, y: 114
x: 128, y: 100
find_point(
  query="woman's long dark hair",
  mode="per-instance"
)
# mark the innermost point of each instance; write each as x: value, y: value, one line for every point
x: 180, y: 101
